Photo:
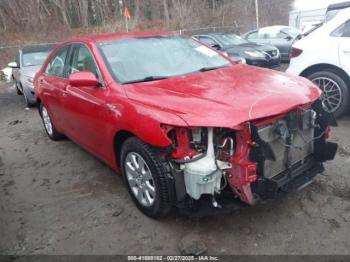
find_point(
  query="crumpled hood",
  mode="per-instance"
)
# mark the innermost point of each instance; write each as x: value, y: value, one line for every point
x: 225, y: 97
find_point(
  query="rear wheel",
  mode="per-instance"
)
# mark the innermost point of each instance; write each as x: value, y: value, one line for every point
x: 145, y: 174
x: 335, y: 92
x: 48, y: 125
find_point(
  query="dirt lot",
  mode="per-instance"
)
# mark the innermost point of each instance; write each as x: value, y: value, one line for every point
x: 55, y: 198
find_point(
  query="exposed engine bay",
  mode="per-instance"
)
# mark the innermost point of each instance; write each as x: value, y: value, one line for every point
x: 255, y: 160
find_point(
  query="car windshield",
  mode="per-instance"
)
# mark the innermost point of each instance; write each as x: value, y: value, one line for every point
x: 312, y: 29
x: 34, y: 58
x: 291, y: 31
x: 331, y: 14
x: 231, y: 39
x: 152, y: 58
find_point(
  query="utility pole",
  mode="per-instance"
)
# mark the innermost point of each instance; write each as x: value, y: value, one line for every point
x: 257, y: 13
x: 121, y: 7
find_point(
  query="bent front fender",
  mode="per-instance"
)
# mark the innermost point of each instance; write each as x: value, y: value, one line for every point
x: 145, y: 122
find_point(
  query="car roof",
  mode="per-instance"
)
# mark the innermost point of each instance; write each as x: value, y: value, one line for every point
x: 341, y: 17
x: 37, y: 48
x: 215, y: 34
x: 275, y: 27
x: 338, y: 6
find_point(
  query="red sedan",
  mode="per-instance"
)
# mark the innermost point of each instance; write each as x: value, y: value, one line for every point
x: 184, y: 124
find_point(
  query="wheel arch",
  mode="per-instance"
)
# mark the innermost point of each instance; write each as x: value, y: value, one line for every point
x: 119, y: 138
x: 38, y: 100
x: 122, y: 135
x: 326, y: 67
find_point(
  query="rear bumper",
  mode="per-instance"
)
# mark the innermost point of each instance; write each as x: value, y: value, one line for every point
x: 295, y: 178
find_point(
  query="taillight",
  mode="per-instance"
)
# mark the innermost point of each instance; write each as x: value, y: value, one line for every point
x: 295, y: 52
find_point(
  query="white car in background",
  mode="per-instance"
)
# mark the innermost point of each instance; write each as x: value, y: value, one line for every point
x: 6, y: 74
x: 324, y: 57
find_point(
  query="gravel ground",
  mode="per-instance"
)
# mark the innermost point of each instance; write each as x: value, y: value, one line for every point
x: 55, y: 198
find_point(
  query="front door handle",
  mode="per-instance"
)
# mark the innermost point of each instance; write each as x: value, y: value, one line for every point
x: 64, y: 91
x: 111, y: 107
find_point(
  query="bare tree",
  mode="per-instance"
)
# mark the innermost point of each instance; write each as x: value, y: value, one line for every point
x: 39, y: 15
x: 166, y: 13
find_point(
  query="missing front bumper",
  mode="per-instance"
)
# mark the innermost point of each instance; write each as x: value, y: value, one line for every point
x: 292, y: 179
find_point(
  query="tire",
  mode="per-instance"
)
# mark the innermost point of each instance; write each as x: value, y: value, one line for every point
x: 340, y: 94
x: 19, y: 92
x: 26, y: 101
x: 155, y: 173
x: 51, y: 132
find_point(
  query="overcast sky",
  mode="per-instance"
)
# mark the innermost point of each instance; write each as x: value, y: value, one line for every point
x: 314, y: 4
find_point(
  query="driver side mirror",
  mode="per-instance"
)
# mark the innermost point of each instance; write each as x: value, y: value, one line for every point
x: 84, y: 78
x: 216, y: 47
x: 13, y: 65
x: 288, y: 38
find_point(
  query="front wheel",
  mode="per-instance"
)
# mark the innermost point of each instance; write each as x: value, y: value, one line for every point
x: 335, y: 94
x: 48, y: 125
x: 19, y: 92
x: 26, y: 100
x: 146, y: 176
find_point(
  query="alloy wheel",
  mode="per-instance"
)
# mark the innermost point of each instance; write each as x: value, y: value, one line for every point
x: 140, y: 179
x: 47, y: 121
x: 332, y: 94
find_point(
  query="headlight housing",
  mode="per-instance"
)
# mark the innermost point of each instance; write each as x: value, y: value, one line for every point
x: 277, y: 52
x: 255, y: 54
x: 239, y: 59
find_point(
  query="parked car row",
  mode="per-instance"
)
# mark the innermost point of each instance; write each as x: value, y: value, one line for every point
x: 29, y: 59
x: 253, y: 52
x: 321, y: 54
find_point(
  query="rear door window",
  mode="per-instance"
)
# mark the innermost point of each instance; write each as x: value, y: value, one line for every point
x: 342, y: 31
x: 254, y: 35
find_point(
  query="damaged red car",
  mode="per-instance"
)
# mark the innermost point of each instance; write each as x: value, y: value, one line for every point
x: 183, y: 124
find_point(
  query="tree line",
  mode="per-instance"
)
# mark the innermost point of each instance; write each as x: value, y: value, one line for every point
x: 45, y: 15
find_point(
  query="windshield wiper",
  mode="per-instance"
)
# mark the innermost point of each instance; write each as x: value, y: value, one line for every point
x: 146, y: 79
x: 205, y: 69
x: 154, y: 78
